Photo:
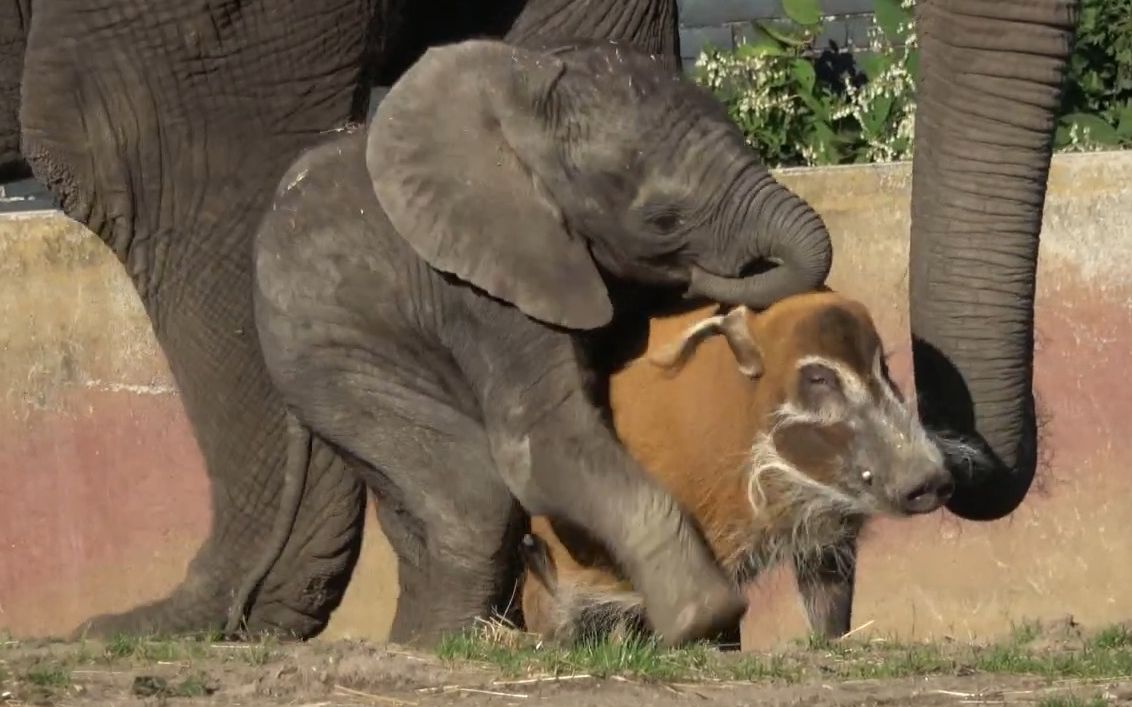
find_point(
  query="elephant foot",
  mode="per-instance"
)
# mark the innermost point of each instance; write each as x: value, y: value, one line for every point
x: 193, y: 608
x: 162, y: 618
x: 168, y: 618
x: 711, y: 617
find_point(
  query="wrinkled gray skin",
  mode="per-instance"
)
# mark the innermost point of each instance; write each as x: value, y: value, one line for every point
x: 990, y: 83
x: 164, y: 127
x: 119, y: 114
x: 424, y: 288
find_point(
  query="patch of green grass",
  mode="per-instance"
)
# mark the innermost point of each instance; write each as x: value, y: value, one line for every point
x: 259, y: 654
x: 1107, y: 654
x: 1088, y: 661
x: 1073, y: 701
x: 895, y: 662
x: 770, y: 668
x: 637, y: 657
x: 197, y: 685
x: 157, y: 648
x: 122, y: 646
x: 50, y: 675
x: 632, y: 656
x: 817, y: 642
x: 1025, y: 632
x: 1118, y: 636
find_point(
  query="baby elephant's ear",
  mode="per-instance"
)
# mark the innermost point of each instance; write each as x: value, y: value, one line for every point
x: 455, y: 150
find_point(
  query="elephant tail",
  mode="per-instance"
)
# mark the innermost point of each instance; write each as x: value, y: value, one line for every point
x: 294, y: 481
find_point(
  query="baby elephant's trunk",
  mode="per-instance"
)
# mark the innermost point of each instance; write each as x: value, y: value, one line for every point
x: 777, y: 228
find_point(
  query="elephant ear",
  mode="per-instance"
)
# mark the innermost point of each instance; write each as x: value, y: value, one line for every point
x: 454, y: 152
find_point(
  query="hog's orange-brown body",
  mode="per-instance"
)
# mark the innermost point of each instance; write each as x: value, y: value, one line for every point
x: 695, y: 430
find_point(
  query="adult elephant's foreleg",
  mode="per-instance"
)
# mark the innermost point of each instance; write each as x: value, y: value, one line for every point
x: 308, y: 580
x: 15, y: 20
x: 240, y: 425
x: 164, y: 130
x: 315, y: 510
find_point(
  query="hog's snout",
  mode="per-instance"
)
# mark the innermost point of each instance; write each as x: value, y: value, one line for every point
x: 923, y: 492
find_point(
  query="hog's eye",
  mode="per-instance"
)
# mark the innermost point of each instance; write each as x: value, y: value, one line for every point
x: 817, y: 376
x: 818, y: 386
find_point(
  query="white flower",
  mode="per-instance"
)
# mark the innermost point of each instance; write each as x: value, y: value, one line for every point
x: 763, y: 98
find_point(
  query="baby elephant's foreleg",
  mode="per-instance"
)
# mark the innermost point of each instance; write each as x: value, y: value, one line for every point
x: 568, y: 465
x: 559, y: 457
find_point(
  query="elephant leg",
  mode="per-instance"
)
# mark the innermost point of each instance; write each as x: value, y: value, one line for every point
x: 451, y: 521
x: 129, y: 131
x: 471, y: 587
x: 15, y: 21
x: 825, y: 582
x: 294, y: 480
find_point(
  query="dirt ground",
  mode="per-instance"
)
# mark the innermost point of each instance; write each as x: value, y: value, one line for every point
x: 1034, y: 669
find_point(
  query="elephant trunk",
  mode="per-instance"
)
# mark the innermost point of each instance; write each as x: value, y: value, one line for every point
x: 990, y: 87
x: 775, y: 226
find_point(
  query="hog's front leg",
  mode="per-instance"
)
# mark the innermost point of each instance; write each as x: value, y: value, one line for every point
x: 825, y: 582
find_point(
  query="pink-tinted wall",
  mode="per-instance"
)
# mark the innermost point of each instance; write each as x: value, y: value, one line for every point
x: 102, y: 489
x: 103, y: 498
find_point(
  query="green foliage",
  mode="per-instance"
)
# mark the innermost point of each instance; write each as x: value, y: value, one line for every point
x: 1113, y: 637
x: 1097, y: 105
x: 800, y: 104
x: 804, y: 12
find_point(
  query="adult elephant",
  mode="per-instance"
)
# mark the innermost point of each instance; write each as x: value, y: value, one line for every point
x: 164, y: 126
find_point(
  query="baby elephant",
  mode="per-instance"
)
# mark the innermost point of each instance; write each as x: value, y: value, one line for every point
x: 781, y: 438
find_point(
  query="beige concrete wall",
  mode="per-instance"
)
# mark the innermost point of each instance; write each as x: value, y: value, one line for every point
x: 102, y: 489
x: 103, y: 499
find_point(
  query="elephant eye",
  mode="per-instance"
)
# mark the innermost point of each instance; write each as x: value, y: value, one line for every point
x: 665, y: 220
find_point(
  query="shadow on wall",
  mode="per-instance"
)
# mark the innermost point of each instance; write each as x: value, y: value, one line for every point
x: 105, y: 498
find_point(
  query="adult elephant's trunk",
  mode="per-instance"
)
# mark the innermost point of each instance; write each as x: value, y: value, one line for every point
x: 773, y: 226
x: 989, y: 90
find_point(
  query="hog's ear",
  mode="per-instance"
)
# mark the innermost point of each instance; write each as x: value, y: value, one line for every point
x: 732, y: 326
x: 454, y: 151
x: 538, y: 560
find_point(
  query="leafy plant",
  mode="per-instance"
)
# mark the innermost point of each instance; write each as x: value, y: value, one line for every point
x: 799, y: 104
x: 1096, y: 109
